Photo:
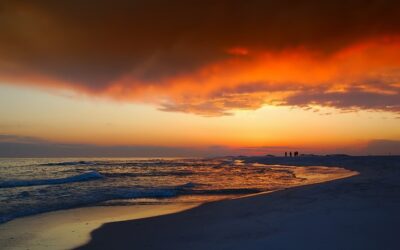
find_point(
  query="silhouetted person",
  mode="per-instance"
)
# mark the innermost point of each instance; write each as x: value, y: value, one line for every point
x: 285, y: 154
x: 296, y: 154
x: 290, y: 154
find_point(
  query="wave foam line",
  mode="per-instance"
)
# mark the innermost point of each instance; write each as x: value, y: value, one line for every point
x: 88, y: 176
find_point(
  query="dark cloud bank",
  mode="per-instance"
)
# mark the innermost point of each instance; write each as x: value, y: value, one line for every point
x: 20, y: 146
x: 90, y: 44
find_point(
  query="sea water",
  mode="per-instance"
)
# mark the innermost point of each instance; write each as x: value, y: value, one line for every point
x: 31, y: 186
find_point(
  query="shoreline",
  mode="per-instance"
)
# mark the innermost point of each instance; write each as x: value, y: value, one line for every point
x: 360, y: 212
x: 69, y: 228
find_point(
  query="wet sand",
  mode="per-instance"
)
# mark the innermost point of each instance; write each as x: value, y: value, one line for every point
x: 359, y: 212
x: 70, y: 228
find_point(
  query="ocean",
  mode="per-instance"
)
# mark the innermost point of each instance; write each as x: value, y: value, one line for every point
x: 37, y: 185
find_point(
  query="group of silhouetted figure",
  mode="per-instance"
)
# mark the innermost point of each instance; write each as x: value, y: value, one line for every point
x: 295, y: 154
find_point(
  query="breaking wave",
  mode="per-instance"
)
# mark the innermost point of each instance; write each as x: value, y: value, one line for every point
x: 87, y: 176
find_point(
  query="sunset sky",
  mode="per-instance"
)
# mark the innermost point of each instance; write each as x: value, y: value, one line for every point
x: 180, y: 78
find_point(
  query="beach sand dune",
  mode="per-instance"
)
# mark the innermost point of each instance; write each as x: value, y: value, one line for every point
x: 360, y: 212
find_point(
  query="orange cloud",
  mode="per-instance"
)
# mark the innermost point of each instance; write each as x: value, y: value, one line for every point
x: 209, y: 58
x: 362, y: 76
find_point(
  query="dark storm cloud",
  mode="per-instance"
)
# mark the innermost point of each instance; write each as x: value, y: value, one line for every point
x: 90, y: 44
x: 93, y: 42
